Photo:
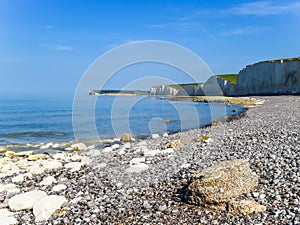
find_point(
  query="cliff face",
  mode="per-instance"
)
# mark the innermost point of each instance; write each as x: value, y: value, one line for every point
x: 174, y: 90
x: 268, y: 78
x: 263, y: 78
x: 228, y: 88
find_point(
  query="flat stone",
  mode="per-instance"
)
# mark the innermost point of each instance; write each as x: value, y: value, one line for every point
x: 51, y: 164
x: 6, y: 187
x: 151, y: 153
x: 79, y: 146
x: 94, y: 153
x: 86, y: 160
x: 7, y: 218
x: 13, y: 191
x: 35, y: 169
x: 60, y: 156
x: 162, y: 208
x: 76, y: 200
x: 36, y: 157
x: 155, y: 136
x: 101, y: 165
x: 12, y: 154
x: 127, y: 145
x: 17, y: 179
x: 47, y: 146
x: 107, y: 150
x: 25, y: 200
x: 48, y: 181
x: 137, y: 168
x: 234, y: 177
x: 115, y: 146
x: 45, y: 207
x: 137, y: 160
x: 75, y: 157
x: 167, y: 151
x: 59, y: 187
x: 245, y: 207
x: 74, y: 166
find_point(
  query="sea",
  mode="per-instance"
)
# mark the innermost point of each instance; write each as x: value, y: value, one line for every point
x: 42, y: 121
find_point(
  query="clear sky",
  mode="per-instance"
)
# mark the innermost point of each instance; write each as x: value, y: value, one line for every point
x: 46, y: 45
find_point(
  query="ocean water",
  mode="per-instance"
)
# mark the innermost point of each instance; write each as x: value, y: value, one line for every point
x: 42, y: 121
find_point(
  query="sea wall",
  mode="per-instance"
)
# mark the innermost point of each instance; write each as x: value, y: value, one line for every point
x: 270, y: 78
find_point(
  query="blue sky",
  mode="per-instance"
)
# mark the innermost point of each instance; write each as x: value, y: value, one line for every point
x: 46, y: 46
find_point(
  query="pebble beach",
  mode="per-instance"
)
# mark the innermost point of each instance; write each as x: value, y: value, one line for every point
x: 143, y: 181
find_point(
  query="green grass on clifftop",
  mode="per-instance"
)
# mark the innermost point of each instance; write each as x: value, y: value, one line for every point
x: 182, y: 85
x: 232, y: 78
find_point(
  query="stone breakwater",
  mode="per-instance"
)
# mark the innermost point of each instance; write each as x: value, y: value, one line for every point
x: 145, y: 182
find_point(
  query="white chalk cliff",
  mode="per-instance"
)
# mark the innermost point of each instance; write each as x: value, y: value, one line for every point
x: 269, y: 78
x: 263, y: 78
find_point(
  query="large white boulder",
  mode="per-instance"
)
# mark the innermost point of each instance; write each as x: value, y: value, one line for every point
x: 45, y: 207
x: 25, y: 200
x: 6, y: 217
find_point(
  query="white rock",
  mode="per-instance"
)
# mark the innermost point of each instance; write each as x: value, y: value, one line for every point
x: 151, y: 153
x: 165, y: 135
x: 79, y: 146
x: 142, y: 143
x: 45, y: 207
x: 167, y: 151
x: 137, y: 160
x: 137, y: 168
x: 94, y: 153
x: 10, y: 168
x: 121, y: 152
x: 76, y: 200
x: 35, y: 169
x: 115, y: 146
x: 185, y: 166
x: 261, y: 196
x: 255, y: 194
x: 59, y: 187
x: 17, y: 179
x: 69, y: 149
x: 60, y: 156
x: 47, y: 146
x: 74, y: 166
x: 6, y: 217
x: 127, y: 145
x: 13, y: 191
x: 55, y: 146
x: 6, y: 187
x: 25, y: 200
x: 80, y: 193
x: 91, y: 147
x: 51, y: 164
x: 155, y: 136
x: 107, y: 150
x: 76, y: 157
x: 48, y: 181
x: 86, y: 160
x: 101, y: 165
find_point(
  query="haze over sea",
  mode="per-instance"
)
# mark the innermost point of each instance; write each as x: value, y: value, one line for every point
x: 41, y: 121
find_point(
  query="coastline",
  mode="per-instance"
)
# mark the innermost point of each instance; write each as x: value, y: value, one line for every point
x: 267, y: 136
